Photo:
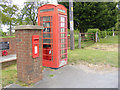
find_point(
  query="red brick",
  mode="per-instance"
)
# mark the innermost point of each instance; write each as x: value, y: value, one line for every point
x: 29, y: 70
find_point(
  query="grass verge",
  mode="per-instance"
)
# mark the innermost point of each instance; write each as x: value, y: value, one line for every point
x: 9, y: 76
x: 93, y: 56
x: 109, y: 40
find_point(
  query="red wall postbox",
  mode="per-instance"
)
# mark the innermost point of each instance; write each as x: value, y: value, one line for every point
x: 54, y: 20
x: 35, y: 46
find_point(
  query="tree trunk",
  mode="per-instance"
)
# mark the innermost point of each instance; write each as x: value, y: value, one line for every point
x: 82, y: 35
x: 34, y: 22
x: 10, y: 29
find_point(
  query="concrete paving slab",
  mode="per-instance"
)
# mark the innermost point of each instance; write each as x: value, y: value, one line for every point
x: 8, y: 58
x: 71, y: 77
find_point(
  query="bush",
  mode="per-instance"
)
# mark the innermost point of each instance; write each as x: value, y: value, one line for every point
x: 109, y: 33
x: 93, y: 30
x: 116, y: 32
x: 2, y: 34
x: 110, y: 29
x: 104, y: 34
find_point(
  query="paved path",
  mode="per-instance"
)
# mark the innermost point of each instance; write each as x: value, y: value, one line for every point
x: 7, y: 58
x: 71, y: 77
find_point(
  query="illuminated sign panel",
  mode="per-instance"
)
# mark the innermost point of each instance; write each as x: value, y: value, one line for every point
x: 47, y: 10
x: 61, y: 10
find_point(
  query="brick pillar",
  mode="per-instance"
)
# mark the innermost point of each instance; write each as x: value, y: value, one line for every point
x: 29, y: 69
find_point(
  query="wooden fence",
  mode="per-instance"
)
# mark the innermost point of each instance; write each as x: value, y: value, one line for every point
x: 83, y: 39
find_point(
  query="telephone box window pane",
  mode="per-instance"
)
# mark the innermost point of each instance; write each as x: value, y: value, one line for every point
x: 46, y: 30
x: 62, y: 35
x: 46, y: 35
x: 62, y: 46
x: 62, y: 19
x: 47, y: 24
x: 62, y: 30
x: 63, y: 56
x: 46, y: 18
x: 46, y: 40
x: 62, y: 24
x: 62, y: 40
x: 62, y: 51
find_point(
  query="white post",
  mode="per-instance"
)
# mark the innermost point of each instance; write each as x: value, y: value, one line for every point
x: 113, y: 31
x: 96, y: 36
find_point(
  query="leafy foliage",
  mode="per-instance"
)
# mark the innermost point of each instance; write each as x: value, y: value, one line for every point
x: 29, y: 13
x: 8, y: 13
x: 100, y: 15
x: 2, y: 33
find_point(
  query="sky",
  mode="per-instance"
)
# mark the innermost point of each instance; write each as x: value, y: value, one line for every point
x: 16, y: 2
x: 20, y: 4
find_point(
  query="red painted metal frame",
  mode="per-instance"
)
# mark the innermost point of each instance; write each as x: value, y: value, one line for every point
x: 55, y: 48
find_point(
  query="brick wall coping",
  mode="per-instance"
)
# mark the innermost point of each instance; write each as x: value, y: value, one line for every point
x: 28, y: 27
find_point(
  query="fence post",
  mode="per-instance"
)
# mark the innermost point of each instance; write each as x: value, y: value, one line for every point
x: 79, y: 41
x: 96, y: 36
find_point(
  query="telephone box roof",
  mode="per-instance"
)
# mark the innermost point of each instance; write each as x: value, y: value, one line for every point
x: 52, y: 5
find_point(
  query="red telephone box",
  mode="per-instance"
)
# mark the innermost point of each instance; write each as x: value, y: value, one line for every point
x: 54, y: 19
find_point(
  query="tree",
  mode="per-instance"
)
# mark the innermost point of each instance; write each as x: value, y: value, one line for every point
x: 118, y: 16
x: 8, y: 13
x: 100, y: 15
x: 29, y: 12
x: 107, y: 16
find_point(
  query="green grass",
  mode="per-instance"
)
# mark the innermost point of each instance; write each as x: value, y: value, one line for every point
x: 109, y: 40
x: 9, y: 76
x: 7, y: 37
x: 51, y: 75
x: 93, y: 56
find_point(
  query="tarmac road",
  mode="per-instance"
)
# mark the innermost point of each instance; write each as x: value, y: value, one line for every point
x: 71, y: 77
